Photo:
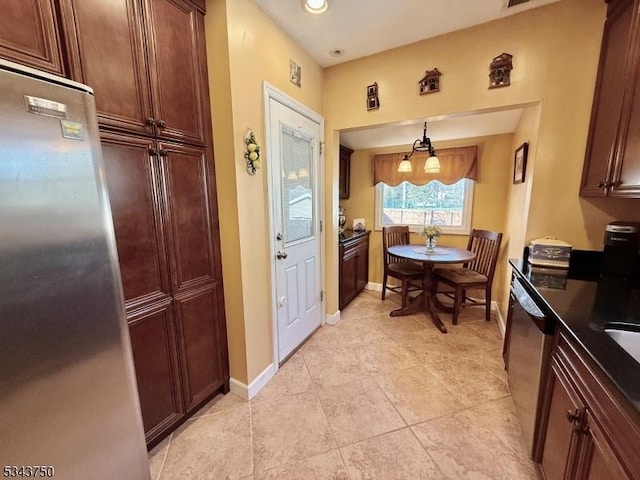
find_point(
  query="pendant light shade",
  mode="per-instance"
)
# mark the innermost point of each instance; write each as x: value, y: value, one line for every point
x: 405, y: 165
x: 432, y: 165
x: 422, y: 145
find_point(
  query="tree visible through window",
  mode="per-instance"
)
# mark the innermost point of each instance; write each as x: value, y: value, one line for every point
x: 434, y: 203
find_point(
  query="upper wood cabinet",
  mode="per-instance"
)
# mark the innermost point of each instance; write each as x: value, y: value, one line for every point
x: 29, y: 34
x: 345, y: 171
x: 144, y: 60
x: 612, y: 161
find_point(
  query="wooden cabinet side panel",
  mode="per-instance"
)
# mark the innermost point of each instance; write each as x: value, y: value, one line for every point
x: 363, y: 266
x: 174, y: 36
x: 111, y: 56
x: 348, y: 275
x: 131, y: 176
x: 607, y: 103
x: 156, y: 365
x: 29, y: 34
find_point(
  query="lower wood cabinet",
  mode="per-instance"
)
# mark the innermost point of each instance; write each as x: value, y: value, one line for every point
x: 354, y: 265
x: 588, y: 433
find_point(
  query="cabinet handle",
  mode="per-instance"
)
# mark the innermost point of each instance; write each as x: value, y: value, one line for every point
x: 153, y: 152
x: 602, y: 185
x: 162, y: 124
x: 150, y: 122
x: 575, y: 418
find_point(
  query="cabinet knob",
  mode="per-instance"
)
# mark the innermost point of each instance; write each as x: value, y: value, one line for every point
x: 153, y: 152
x: 575, y: 418
x: 163, y: 153
x: 150, y: 122
x: 602, y: 184
x: 162, y: 124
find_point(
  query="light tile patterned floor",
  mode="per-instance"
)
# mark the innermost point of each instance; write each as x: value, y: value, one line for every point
x: 374, y: 397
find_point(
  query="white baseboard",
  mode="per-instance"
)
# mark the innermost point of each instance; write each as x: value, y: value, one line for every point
x: 247, y: 392
x: 332, y: 318
x: 501, y: 323
x: 374, y: 287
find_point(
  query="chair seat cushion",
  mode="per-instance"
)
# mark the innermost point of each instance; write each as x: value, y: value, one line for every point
x: 460, y: 276
x: 405, y: 268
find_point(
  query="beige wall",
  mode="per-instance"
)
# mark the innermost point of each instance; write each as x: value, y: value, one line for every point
x: 489, y: 199
x: 244, y: 48
x: 555, y: 51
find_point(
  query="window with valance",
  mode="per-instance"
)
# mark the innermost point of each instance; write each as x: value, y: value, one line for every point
x: 455, y: 164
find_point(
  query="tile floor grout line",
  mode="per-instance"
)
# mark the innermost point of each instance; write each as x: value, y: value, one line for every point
x: 428, y: 453
x: 164, y: 458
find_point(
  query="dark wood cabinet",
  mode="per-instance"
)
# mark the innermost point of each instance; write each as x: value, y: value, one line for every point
x: 345, y: 171
x: 354, y: 265
x: 29, y: 34
x: 612, y: 160
x: 145, y: 60
x: 588, y: 431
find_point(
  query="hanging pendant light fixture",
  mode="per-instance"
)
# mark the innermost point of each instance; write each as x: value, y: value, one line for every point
x: 432, y: 164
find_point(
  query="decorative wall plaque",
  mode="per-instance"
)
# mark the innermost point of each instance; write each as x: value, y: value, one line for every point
x: 373, y: 102
x: 500, y: 71
x: 295, y: 73
x: 431, y: 82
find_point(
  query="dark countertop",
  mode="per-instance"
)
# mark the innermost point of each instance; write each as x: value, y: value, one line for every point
x: 582, y: 307
x: 348, y: 235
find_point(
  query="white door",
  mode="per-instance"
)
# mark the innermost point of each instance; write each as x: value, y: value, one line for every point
x: 294, y: 158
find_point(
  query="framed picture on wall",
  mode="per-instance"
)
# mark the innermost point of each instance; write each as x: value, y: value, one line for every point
x: 520, y: 163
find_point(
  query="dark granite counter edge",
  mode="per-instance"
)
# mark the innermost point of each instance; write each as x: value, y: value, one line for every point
x: 351, y: 235
x: 547, y: 309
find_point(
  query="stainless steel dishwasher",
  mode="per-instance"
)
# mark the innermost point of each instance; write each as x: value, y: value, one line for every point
x: 529, y: 336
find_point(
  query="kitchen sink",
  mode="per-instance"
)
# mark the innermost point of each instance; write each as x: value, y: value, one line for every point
x: 627, y: 336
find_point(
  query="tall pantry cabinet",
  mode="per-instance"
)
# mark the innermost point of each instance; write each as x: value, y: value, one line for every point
x: 146, y: 61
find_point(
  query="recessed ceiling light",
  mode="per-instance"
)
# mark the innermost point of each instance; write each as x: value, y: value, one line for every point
x: 316, y: 6
x: 336, y: 52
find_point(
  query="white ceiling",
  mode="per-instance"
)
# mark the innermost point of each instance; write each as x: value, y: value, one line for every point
x: 365, y: 27
x: 450, y: 128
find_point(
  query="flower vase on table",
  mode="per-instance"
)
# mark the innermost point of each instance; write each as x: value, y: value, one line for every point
x: 431, y: 244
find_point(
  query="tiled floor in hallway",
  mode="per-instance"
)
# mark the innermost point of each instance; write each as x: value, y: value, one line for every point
x: 374, y: 397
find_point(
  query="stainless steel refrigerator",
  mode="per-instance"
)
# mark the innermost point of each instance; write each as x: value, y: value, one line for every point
x: 68, y: 398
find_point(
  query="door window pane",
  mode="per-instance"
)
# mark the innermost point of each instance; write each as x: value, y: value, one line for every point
x: 297, y: 180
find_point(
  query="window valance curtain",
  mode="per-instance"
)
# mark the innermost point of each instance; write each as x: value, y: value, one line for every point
x: 455, y: 164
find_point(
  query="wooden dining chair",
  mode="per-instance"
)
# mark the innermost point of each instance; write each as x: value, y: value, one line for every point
x: 404, y: 270
x: 477, y: 274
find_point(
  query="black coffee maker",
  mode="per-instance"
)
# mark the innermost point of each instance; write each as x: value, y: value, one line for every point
x: 621, y: 244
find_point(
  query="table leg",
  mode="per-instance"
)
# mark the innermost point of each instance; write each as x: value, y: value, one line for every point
x: 424, y: 301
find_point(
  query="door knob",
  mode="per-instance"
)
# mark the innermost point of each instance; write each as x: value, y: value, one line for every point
x: 281, y: 255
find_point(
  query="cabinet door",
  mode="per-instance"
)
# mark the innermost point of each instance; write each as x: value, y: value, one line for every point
x: 188, y: 191
x: 561, y: 436
x: 345, y: 172
x: 109, y: 56
x: 202, y: 354
x: 348, y: 275
x: 607, y: 102
x: 362, y: 275
x: 156, y: 364
x: 175, y: 34
x: 132, y: 182
x: 29, y: 34
x: 627, y: 170
x: 597, y: 459
x: 195, y: 269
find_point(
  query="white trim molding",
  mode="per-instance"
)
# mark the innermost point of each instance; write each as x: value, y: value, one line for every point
x: 247, y: 392
x: 501, y: 323
x: 332, y: 318
x: 374, y: 287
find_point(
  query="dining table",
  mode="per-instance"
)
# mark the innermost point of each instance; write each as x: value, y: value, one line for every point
x: 426, y: 301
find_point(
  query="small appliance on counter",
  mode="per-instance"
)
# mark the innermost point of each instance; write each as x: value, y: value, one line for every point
x: 549, y: 262
x: 621, y: 244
